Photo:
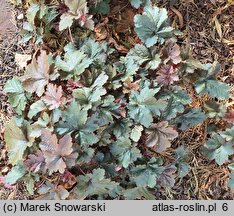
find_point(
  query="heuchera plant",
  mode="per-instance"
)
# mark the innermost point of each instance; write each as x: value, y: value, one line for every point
x: 99, y: 122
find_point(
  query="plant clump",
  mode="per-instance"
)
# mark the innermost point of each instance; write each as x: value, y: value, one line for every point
x: 99, y: 121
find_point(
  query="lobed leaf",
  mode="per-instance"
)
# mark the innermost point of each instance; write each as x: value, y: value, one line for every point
x: 16, y: 95
x: 16, y: 173
x: 53, y: 97
x: 152, y: 26
x: 138, y: 193
x: 218, y: 149
x: 94, y: 183
x: 125, y: 152
x: 36, y: 76
x: 207, y: 83
x: 144, y: 106
x: 58, y: 154
x: 159, y: 136
x: 35, y: 162
x: 172, y: 52
x: 191, y: 118
x: 74, y: 63
x: 167, y: 75
x: 147, y: 174
x: 17, y: 140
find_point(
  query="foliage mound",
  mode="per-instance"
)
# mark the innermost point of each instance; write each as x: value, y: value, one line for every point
x: 92, y: 123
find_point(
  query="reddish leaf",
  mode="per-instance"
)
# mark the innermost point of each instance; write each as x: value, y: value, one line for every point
x: 51, y: 191
x: 160, y: 135
x: 129, y: 86
x: 229, y: 117
x: 166, y: 75
x: 68, y: 179
x: 37, y: 75
x: 58, y: 154
x: 172, y: 52
x: 35, y: 162
x: 8, y: 186
x: 71, y: 85
x: 100, y: 30
x: 167, y: 178
x: 53, y: 96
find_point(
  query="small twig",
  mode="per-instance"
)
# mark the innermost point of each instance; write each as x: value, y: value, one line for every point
x: 70, y: 34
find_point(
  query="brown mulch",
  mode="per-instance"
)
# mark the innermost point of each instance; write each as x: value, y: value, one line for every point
x: 200, y: 22
x: 200, y: 28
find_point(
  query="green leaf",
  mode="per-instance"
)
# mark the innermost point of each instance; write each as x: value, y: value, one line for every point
x: 141, y: 55
x: 231, y: 181
x: 17, y: 140
x: 154, y: 62
x: 16, y: 96
x: 76, y: 6
x: 183, y: 169
x: 85, y: 155
x: 96, y: 51
x: 103, y: 7
x: 221, y: 154
x: 16, y: 173
x: 213, y: 109
x: 136, y: 133
x: 44, y: 121
x: 127, y: 67
x: 177, y: 99
x: 231, y: 167
x: 77, y: 11
x: 94, y: 184
x: 214, y: 88
x: 121, y: 128
x: 87, y: 96
x: 189, y: 119
x: 75, y: 120
x: 30, y: 185
x: 137, y: 193
x: 181, y: 155
x: 207, y: 83
x: 228, y: 134
x: 173, y: 108
x: 180, y: 95
x: 218, y: 149
x: 31, y: 12
x: 36, y: 108
x: 147, y: 174
x: 65, y: 22
x: 125, y: 152
x: 108, y: 110
x: 144, y: 106
x: 50, y: 191
x: 152, y: 26
x: 138, y: 3
x: 74, y: 63
x: 28, y: 27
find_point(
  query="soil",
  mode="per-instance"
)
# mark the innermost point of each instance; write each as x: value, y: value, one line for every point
x: 9, y: 37
x: 199, y: 21
x: 8, y: 41
x: 7, y: 19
